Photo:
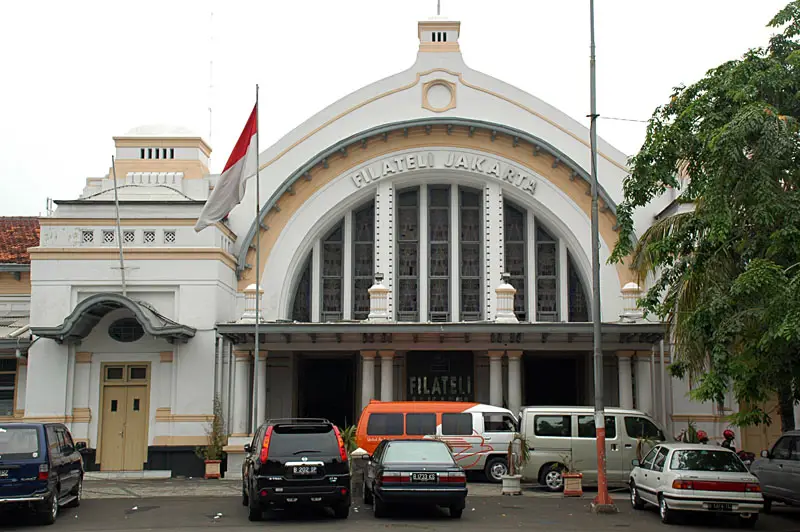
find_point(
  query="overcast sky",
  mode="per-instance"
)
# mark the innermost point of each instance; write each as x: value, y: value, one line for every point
x: 76, y: 73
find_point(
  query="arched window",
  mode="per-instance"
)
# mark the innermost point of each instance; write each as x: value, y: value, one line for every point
x: 408, y: 255
x: 578, y: 302
x: 363, y: 259
x: 301, y: 305
x: 546, y: 276
x: 332, y: 274
x: 470, y: 254
x: 439, y: 253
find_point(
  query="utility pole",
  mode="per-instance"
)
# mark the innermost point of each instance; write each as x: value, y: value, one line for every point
x: 602, y: 503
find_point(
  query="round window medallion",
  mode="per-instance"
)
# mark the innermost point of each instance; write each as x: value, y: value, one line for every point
x: 126, y: 330
x: 438, y: 96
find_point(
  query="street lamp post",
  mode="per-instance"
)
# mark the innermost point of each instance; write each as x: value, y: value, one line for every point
x: 602, y: 503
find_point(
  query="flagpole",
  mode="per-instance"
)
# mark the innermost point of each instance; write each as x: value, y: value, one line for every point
x: 119, y: 230
x: 256, y: 406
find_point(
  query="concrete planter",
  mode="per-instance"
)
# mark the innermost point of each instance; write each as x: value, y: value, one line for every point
x: 573, y: 484
x: 511, y: 484
x: 213, y: 469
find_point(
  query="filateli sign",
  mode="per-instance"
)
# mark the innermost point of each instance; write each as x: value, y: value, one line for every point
x: 451, y: 160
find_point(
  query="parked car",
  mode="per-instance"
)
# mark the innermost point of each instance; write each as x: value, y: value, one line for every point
x: 778, y: 470
x: 296, y: 462
x: 41, y: 469
x: 563, y: 436
x: 478, y: 434
x: 403, y: 472
x: 693, y: 477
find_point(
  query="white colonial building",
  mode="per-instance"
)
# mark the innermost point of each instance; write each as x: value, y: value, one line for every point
x: 426, y: 237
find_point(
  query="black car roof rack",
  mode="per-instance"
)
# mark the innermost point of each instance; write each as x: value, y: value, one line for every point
x: 297, y: 421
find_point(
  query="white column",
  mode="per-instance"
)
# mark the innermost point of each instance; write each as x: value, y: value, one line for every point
x: 423, y: 254
x: 493, y: 255
x: 644, y: 388
x: 347, y: 265
x: 496, y: 378
x: 384, y: 238
x: 563, y: 278
x: 316, y: 282
x: 261, y: 403
x: 530, y: 267
x: 165, y: 372
x: 455, y: 254
x: 625, y: 379
x: 367, y: 377
x: 387, y: 375
x: 241, y: 392
x: 514, y: 381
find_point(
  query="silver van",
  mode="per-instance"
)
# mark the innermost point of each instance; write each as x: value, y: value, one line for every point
x: 778, y: 470
x: 564, y: 437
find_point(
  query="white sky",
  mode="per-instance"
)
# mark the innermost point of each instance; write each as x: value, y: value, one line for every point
x: 76, y: 73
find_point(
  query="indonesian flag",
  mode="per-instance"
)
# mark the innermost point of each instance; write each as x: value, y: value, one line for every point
x: 240, y: 167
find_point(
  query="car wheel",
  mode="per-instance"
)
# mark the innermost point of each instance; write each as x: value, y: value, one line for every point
x: 748, y: 521
x: 379, y: 507
x: 367, y: 495
x: 77, y: 492
x: 636, y: 501
x: 456, y: 511
x: 341, y: 511
x: 48, y: 511
x: 552, y: 477
x: 767, y: 505
x: 495, y: 469
x: 256, y: 512
x: 664, y: 512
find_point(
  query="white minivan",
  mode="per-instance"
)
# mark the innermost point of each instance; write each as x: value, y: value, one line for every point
x: 562, y: 437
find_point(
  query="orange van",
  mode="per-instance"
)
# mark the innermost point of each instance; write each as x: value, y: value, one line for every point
x: 478, y: 434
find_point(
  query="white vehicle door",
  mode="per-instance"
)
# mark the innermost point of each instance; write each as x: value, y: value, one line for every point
x: 498, y: 429
x: 658, y: 476
x: 643, y: 475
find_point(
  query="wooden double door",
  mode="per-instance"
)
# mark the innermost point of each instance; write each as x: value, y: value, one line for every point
x: 125, y: 414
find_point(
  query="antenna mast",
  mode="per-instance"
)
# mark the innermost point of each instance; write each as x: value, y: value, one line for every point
x: 210, y: 70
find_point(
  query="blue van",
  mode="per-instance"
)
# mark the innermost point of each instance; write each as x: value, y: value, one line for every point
x: 41, y: 469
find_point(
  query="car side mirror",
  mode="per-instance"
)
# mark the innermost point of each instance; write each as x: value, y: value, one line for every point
x: 764, y: 454
x: 635, y: 462
x: 248, y: 448
x: 80, y: 446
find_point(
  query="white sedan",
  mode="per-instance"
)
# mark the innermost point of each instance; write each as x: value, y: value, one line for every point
x: 680, y: 477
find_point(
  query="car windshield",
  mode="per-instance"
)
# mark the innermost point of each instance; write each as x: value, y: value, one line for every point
x: 702, y: 460
x: 19, y: 442
x: 313, y: 440
x: 416, y: 452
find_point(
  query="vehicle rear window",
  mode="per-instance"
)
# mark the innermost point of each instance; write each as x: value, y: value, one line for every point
x: 293, y: 441
x: 702, y: 460
x: 19, y: 442
x: 420, y: 424
x: 411, y: 452
x: 559, y: 426
x: 385, y: 425
x: 641, y: 427
x: 457, y: 424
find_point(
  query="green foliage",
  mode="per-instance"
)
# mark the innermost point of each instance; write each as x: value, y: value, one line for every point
x: 217, y: 438
x: 517, y: 452
x: 726, y: 263
x: 349, y: 439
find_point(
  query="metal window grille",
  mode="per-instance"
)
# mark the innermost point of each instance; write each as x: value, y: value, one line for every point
x: 169, y: 237
x: 149, y: 237
x: 470, y: 257
x: 516, y: 245
x: 363, y: 259
x: 108, y: 237
x: 128, y: 237
x: 408, y: 255
x: 578, y: 302
x: 439, y: 253
x: 87, y: 237
x: 332, y: 274
x: 301, y: 306
x: 546, y: 276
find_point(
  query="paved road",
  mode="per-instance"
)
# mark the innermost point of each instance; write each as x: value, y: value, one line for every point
x: 483, y: 514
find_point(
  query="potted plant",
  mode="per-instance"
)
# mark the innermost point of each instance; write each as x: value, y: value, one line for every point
x: 573, y: 479
x: 517, y: 457
x: 212, y: 453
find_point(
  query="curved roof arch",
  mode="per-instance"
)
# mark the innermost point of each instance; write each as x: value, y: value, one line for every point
x: 88, y: 313
x: 539, y: 145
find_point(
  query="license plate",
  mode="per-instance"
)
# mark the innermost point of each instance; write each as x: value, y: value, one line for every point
x: 304, y: 470
x: 423, y: 477
x: 3, y: 473
x: 720, y: 507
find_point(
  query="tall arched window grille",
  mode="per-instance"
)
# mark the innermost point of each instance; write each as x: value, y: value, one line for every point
x: 547, y: 293
x: 332, y: 274
x: 470, y: 254
x: 407, y: 255
x: 363, y: 259
x: 301, y: 305
x: 515, y: 233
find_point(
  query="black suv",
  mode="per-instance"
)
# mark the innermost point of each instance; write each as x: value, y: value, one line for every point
x: 296, y: 462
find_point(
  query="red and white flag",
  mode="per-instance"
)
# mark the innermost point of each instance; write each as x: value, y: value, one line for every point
x: 240, y: 167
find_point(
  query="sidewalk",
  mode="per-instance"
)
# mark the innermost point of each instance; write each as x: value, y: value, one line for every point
x: 136, y: 489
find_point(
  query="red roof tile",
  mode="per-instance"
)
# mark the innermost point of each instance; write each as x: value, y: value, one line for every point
x: 17, y: 234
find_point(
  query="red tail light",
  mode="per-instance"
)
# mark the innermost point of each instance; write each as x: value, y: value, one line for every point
x: 393, y: 477
x: 682, y: 484
x: 44, y: 472
x: 752, y: 488
x: 342, y: 450
x: 265, y: 446
x: 453, y: 478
